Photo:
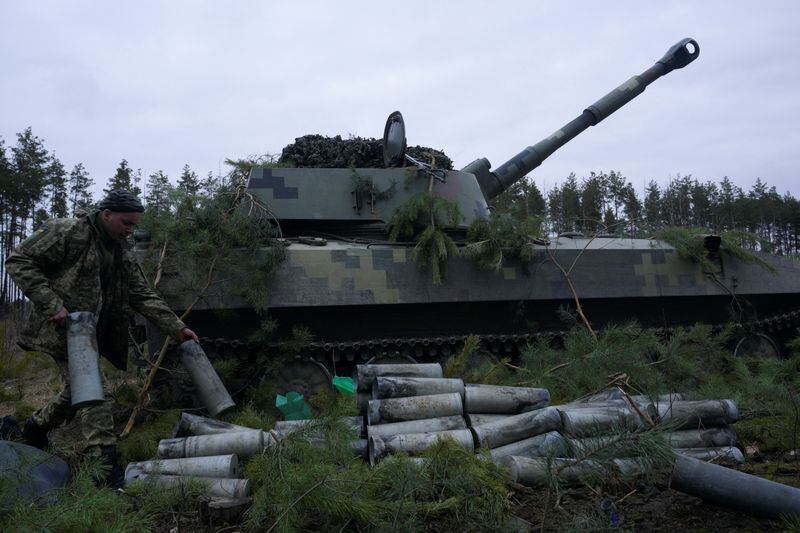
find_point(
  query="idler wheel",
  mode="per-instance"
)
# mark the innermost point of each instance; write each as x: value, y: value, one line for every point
x: 306, y: 376
x: 757, y: 345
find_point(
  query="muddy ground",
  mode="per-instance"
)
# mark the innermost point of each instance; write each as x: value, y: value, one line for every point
x: 653, y: 508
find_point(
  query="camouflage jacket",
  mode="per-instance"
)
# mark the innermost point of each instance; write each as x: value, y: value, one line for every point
x: 59, y: 265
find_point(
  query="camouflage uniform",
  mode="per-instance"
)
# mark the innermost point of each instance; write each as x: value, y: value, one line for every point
x: 73, y: 263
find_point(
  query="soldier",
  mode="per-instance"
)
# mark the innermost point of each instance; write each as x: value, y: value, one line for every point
x: 86, y: 264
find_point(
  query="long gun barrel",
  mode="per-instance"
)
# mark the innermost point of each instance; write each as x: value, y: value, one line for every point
x: 495, y: 182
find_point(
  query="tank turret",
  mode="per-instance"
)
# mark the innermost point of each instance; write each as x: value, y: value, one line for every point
x: 360, y: 201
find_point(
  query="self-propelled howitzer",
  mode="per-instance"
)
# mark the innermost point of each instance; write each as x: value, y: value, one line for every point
x: 363, y: 297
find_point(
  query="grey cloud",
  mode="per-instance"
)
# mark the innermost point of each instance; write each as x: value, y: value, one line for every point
x: 163, y: 84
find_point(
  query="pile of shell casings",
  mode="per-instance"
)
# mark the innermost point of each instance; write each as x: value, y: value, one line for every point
x: 410, y: 407
x: 205, y: 451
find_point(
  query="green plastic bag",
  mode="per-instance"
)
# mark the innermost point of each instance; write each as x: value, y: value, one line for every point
x: 293, y: 406
x: 344, y: 385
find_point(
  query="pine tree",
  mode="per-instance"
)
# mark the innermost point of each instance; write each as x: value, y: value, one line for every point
x: 652, y: 207
x: 726, y: 206
x: 188, y: 189
x: 7, y: 190
x: 677, y: 202
x: 632, y: 207
x: 158, y: 192
x: 522, y: 200
x: 124, y: 178
x: 702, y: 196
x: 6, y: 203
x: 135, y: 182
x: 80, y: 195
x: 592, y: 196
x: 188, y: 181
x: 616, y: 190
x: 534, y: 201
x: 610, y: 220
x: 209, y: 185
x: 555, y: 209
x: 30, y: 159
x: 571, y: 203
x: 56, y: 188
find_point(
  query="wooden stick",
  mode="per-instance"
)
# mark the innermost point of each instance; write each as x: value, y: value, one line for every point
x: 642, y: 414
x: 574, y: 292
x: 151, y: 376
x: 557, y: 367
x: 160, y: 266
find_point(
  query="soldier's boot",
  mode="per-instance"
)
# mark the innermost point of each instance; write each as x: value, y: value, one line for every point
x: 115, y: 476
x: 34, y: 435
x: 9, y: 429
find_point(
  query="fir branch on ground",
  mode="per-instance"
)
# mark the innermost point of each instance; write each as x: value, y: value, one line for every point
x: 178, y: 503
x: 475, y: 488
x: 81, y: 507
x: 301, y: 485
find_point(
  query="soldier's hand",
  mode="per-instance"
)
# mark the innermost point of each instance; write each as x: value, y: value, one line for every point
x: 187, y: 334
x: 60, y: 318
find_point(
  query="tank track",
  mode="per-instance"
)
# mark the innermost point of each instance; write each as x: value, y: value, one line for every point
x: 417, y: 348
x: 324, y: 359
x: 424, y: 348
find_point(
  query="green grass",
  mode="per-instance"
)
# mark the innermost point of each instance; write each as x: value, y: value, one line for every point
x: 772, y: 434
x: 16, y: 364
x: 142, y: 443
x: 125, y: 394
x: 250, y: 416
x: 23, y: 410
x: 17, y: 368
x: 227, y: 369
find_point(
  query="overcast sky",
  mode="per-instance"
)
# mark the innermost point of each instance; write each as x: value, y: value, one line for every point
x: 163, y: 84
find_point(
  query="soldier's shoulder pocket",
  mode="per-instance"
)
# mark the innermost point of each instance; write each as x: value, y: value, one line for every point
x: 36, y: 236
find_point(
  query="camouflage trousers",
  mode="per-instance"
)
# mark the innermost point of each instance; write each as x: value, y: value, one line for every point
x: 96, y: 422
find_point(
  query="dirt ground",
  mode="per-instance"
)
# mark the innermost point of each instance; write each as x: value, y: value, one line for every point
x: 650, y: 508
